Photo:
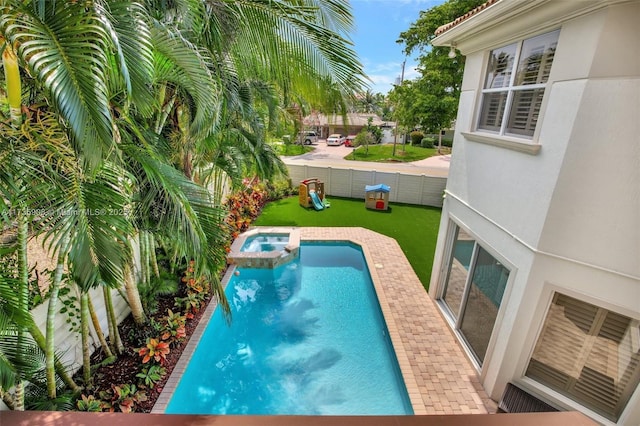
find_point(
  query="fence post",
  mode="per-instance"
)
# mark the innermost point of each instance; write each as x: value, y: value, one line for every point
x: 396, y: 190
x: 350, y: 183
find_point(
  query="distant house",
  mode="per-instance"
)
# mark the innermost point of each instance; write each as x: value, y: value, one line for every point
x: 334, y: 123
x: 537, y: 267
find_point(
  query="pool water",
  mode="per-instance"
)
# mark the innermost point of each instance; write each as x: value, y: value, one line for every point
x: 306, y: 338
x: 265, y: 242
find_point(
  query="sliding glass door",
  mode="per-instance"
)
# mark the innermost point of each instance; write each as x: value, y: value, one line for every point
x: 473, y: 288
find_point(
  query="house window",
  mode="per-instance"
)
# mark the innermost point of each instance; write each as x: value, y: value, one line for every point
x: 515, y: 82
x: 473, y: 289
x: 589, y: 354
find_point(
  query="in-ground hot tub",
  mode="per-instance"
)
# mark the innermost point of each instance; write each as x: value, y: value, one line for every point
x: 265, y: 248
x: 265, y: 242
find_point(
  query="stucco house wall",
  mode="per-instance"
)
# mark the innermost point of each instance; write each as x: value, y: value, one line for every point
x: 562, y: 211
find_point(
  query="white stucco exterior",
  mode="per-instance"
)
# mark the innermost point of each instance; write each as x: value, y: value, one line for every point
x: 561, y: 210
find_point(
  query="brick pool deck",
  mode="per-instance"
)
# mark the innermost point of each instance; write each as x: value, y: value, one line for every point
x: 438, y: 376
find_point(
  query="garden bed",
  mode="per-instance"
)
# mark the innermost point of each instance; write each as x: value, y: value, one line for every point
x: 129, y: 364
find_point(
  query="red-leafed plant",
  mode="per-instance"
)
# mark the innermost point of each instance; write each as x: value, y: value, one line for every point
x: 156, y: 350
x: 197, y: 291
x: 245, y: 205
x: 173, y: 327
x: 123, y: 397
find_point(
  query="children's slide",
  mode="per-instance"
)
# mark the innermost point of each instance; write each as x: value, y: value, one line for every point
x: 317, y: 202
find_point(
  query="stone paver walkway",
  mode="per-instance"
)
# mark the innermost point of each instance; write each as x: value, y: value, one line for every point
x: 439, y: 377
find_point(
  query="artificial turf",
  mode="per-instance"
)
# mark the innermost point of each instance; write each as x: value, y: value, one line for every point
x: 415, y: 228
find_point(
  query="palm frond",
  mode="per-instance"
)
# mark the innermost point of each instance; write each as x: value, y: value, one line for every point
x: 181, y: 63
x: 172, y: 206
x: 299, y: 44
x: 128, y: 24
x: 65, y: 48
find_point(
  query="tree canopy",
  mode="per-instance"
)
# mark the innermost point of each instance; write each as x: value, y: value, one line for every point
x: 120, y: 123
x: 431, y: 100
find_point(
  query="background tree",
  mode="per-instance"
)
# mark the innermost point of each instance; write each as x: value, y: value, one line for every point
x: 364, y: 138
x: 369, y: 102
x: 431, y: 100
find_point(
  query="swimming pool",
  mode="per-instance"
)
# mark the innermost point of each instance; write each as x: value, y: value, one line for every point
x: 307, y: 338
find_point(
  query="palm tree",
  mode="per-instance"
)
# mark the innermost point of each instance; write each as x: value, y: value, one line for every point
x: 109, y: 85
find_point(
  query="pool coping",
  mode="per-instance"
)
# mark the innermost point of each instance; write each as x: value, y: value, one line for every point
x: 438, y: 376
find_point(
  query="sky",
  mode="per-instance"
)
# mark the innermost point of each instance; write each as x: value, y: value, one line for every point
x: 378, y: 24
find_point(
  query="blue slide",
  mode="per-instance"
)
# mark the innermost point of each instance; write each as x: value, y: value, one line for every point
x: 317, y: 202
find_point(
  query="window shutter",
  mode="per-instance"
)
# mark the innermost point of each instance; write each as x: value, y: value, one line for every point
x: 493, y: 105
x: 525, y: 110
x: 537, y: 56
x: 587, y: 353
x: 520, y: 76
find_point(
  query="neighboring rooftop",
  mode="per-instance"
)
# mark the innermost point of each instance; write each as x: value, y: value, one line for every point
x: 353, y: 119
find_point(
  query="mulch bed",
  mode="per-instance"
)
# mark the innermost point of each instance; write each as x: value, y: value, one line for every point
x: 127, y: 365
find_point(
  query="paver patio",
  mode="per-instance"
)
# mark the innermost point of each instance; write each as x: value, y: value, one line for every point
x: 438, y: 376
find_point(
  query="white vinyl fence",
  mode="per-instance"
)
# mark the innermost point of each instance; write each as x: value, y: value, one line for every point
x: 67, y: 336
x: 405, y: 188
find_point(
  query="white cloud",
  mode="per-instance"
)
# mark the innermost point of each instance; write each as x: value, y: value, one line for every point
x: 411, y: 72
x: 384, y: 75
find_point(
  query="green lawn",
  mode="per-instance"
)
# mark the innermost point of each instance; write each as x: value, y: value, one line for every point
x: 384, y: 153
x: 291, y: 149
x: 415, y: 228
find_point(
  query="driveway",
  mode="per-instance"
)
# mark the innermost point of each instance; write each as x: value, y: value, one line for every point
x: 333, y: 156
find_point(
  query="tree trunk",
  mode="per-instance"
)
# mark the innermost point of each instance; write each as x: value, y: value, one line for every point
x: 7, y: 399
x: 98, y: 330
x: 144, y: 256
x: 40, y: 340
x: 13, y: 83
x: 152, y: 255
x: 114, y: 334
x: 18, y: 397
x: 23, y: 301
x: 164, y: 113
x: 84, y: 324
x: 14, y: 94
x: 134, y: 297
x: 51, y: 318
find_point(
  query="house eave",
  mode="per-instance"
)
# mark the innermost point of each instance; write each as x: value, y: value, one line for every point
x: 503, y: 21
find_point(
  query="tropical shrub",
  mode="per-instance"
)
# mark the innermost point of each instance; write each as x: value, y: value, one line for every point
x: 155, y: 349
x: 197, y: 290
x: 364, y: 138
x: 427, y: 142
x: 416, y: 137
x: 245, y: 205
x: 191, y: 303
x: 123, y: 397
x: 280, y: 188
x: 163, y: 285
x: 151, y: 375
x: 173, y: 327
x: 89, y: 403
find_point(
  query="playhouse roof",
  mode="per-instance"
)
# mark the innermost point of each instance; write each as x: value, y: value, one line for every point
x: 381, y: 187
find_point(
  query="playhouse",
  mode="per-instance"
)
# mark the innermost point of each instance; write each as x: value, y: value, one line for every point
x: 376, y: 197
x: 311, y: 193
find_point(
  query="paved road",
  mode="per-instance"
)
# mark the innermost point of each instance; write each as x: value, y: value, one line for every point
x: 333, y: 156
